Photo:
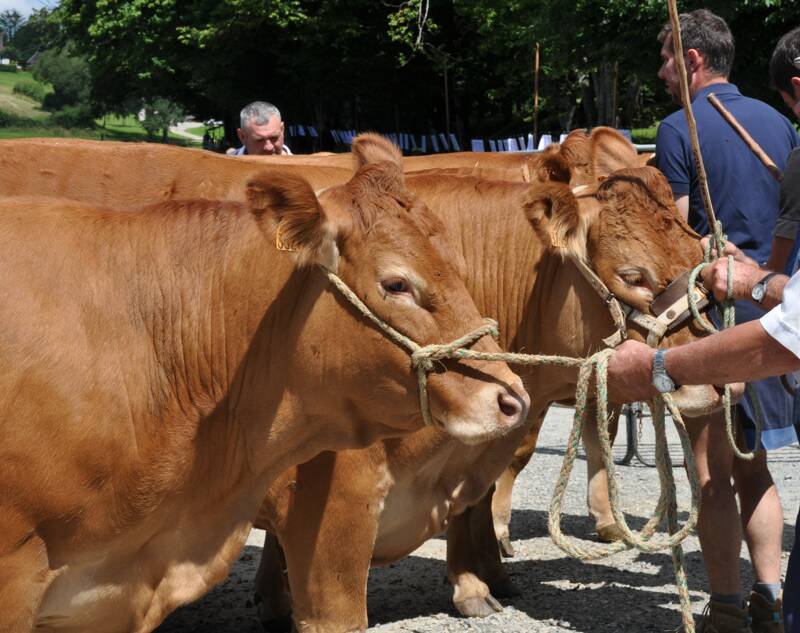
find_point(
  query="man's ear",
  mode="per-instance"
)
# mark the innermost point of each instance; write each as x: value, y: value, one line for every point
x: 240, y: 134
x: 286, y: 205
x: 553, y: 211
x: 694, y: 59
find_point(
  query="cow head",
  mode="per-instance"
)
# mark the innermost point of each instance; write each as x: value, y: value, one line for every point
x: 630, y: 232
x: 391, y: 251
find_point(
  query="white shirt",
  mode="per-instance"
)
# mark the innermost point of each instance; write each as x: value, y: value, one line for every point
x: 783, y: 322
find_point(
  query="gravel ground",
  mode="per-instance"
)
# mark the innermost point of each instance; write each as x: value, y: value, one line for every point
x: 628, y: 592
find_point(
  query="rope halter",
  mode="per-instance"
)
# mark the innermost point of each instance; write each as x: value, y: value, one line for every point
x: 423, y: 358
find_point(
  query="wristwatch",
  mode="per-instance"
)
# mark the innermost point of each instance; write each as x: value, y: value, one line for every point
x: 662, y: 381
x: 759, y: 291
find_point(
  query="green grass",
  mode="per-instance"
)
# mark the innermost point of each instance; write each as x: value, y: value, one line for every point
x: 644, y: 135
x: 16, y: 104
x: 197, y: 131
x: 111, y: 128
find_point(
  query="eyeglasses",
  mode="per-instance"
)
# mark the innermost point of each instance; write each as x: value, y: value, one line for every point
x: 796, y: 62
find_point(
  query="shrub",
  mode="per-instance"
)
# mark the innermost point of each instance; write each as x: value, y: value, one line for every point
x: 30, y: 89
x: 74, y: 116
x: 8, y: 68
x: 12, y: 120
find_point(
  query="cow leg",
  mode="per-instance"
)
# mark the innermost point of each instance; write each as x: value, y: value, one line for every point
x: 328, y: 539
x: 597, y: 481
x: 501, y: 500
x: 474, y: 566
x: 23, y: 579
x: 272, y: 588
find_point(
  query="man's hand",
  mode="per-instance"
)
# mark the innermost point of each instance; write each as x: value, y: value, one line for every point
x: 745, y: 276
x: 730, y: 249
x: 630, y: 372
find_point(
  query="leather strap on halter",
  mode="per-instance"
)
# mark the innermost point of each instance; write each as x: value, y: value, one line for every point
x: 671, y: 307
x: 618, y: 315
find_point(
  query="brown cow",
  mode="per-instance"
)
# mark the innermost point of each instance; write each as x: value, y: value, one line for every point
x: 376, y: 505
x: 162, y: 368
x: 133, y: 173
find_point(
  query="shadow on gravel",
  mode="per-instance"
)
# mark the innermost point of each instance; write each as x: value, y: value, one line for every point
x: 599, y: 599
x: 228, y: 608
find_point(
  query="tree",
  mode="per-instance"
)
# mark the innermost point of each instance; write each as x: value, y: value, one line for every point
x: 69, y: 76
x: 10, y: 21
x: 159, y: 115
x: 401, y: 65
x: 37, y: 34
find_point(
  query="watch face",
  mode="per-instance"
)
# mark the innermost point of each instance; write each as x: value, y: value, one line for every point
x: 663, y: 383
x: 758, y: 292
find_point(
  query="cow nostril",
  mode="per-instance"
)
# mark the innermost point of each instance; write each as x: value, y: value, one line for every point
x: 508, y: 405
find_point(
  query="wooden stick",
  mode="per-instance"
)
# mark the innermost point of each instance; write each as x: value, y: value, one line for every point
x: 748, y: 140
x: 536, y: 97
x: 686, y: 100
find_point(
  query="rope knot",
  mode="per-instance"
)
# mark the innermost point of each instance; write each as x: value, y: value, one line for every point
x: 424, y: 357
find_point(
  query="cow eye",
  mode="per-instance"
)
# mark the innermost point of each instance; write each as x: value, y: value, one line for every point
x: 396, y: 286
x: 633, y: 279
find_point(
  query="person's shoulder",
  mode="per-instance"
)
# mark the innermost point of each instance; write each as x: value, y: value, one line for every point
x: 767, y: 111
x: 672, y: 131
x: 675, y: 121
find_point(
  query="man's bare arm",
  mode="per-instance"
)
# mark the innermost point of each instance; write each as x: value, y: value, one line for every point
x: 740, y: 354
x: 682, y: 202
x: 779, y: 255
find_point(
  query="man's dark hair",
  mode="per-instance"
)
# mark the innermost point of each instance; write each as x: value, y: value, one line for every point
x: 785, y: 62
x: 709, y: 35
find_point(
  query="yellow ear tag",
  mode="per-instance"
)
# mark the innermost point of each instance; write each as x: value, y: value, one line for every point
x: 280, y: 244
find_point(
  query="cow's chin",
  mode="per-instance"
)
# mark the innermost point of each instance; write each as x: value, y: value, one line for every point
x: 696, y: 400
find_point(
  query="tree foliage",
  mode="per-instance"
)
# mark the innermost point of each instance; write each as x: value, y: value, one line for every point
x: 382, y: 65
x: 37, y: 34
x: 10, y: 22
x: 159, y: 115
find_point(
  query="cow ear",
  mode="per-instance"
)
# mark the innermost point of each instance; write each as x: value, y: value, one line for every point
x: 370, y: 149
x: 553, y: 167
x: 611, y: 151
x: 555, y: 215
x: 286, y: 204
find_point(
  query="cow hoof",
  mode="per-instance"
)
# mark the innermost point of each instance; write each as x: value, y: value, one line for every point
x: 478, y: 607
x: 504, y: 588
x: 609, y: 534
x: 506, y: 549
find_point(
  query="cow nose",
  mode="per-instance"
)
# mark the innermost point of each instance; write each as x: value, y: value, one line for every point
x: 512, y: 406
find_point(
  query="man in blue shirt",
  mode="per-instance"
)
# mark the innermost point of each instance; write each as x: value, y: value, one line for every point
x: 745, y: 198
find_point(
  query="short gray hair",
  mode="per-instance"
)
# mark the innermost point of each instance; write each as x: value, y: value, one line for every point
x: 259, y: 111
